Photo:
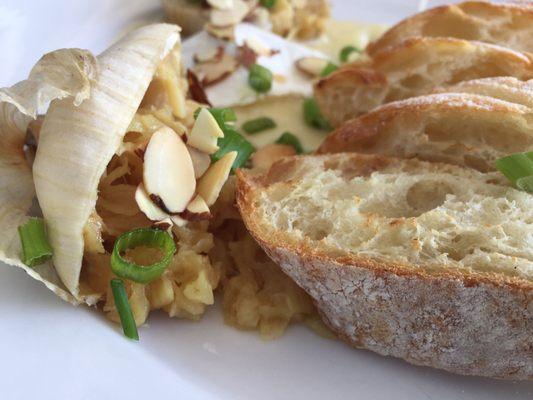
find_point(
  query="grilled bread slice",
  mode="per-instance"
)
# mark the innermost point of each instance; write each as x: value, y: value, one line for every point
x: 412, y: 68
x: 506, y: 24
x: 191, y: 16
x: 456, y: 128
x: 428, y: 262
x: 504, y: 88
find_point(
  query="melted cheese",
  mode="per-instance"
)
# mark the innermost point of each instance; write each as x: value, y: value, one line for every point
x: 286, y: 111
x: 346, y: 33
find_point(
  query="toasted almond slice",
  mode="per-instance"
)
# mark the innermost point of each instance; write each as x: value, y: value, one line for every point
x: 178, y: 221
x: 231, y: 16
x: 269, y: 154
x: 147, y: 206
x: 205, y: 133
x: 196, y: 90
x: 261, y: 18
x: 213, y: 72
x: 198, y: 206
x: 212, y: 54
x: 311, y: 66
x: 197, y: 210
x: 220, y: 32
x: 200, y: 161
x: 168, y: 171
x: 246, y: 55
x: 259, y: 48
x: 221, y: 4
x: 211, y: 183
x: 164, y: 225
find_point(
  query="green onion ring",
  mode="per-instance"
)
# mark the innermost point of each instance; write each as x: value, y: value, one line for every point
x: 289, y: 139
x: 258, y: 125
x: 142, y: 237
x: 124, y: 310
x: 346, y: 51
x: 328, y: 69
x: 35, y: 247
x: 260, y: 78
x: 516, y: 166
x: 525, y: 184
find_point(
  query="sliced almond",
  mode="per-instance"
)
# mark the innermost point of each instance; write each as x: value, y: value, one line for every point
x: 209, y: 55
x: 168, y: 171
x: 221, y: 4
x: 261, y: 18
x: 220, y: 32
x: 163, y: 225
x: 197, y: 210
x: 247, y: 56
x: 269, y: 154
x: 196, y: 89
x: 211, y: 183
x: 231, y: 16
x: 147, y: 206
x: 259, y: 48
x: 205, y: 133
x: 178, y: 221
x: 312, y: 66
x: 210, y: 73
x: 200, y: 161
x: 198, y: 206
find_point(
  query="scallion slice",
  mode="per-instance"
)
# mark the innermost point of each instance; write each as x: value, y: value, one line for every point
x: 223, y: 116
x: 291, y: 140
x: 35, y: 247
x: 268, y: 3
x: 142, y: 237
x: 258, y: 125
x: 260, y: 78
x: 525, y: 184
x: 328, y: 69
x: 233, y: 141
x: 516, y: 166
x: 346, y: 51
x: 313, y: 116
x: 124, y: 310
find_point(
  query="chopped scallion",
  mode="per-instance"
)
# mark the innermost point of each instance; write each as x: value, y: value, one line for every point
x: 313, y: 116
x: 260, y: 78
x: 328, y: 69
x: 233, y: 141
x: 258, y: 125
x: 35, y: 247
x: 268, y: 3
x: 516, y: 166
x: 291, y: 140
x: 124, y: 310
x: 346, y: 51
x: 525, y: 184
x: 142, y: 237
x: 221, y: 115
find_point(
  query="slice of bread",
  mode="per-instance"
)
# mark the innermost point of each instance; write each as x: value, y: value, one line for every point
x: 412, y: 68
x: 504, y: 88
x: 506, y: 24
x: 456, y: 128
x: 429, y: 262
x: 191, y: 16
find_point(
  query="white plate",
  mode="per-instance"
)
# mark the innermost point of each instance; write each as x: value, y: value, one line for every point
x: 51, y: 350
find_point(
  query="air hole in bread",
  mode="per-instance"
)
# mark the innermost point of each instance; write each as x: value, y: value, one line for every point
x: 414, y: 82
x: 427, y: 195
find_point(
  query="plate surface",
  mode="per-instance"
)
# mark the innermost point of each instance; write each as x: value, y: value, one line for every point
x: 51, y: 350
